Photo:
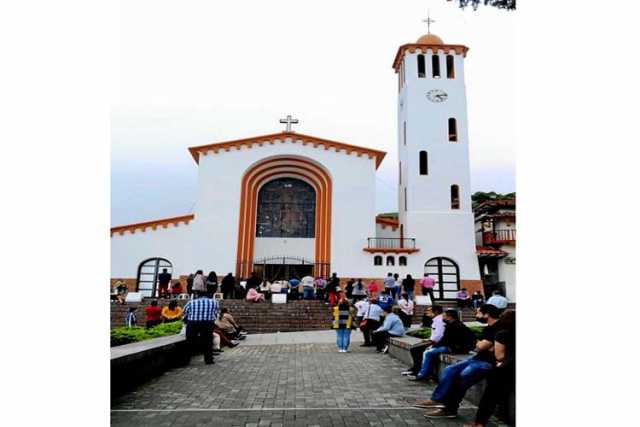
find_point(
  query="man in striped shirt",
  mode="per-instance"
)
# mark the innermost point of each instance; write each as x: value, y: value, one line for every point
x: 200, y: 315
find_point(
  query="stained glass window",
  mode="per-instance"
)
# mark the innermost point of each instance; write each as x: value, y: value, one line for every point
x: 286, y: 208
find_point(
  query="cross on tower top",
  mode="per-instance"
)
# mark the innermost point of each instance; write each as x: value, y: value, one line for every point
x: 429, y: 21
x: 289, y: 121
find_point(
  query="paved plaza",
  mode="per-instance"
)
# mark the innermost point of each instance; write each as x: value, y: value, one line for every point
x: 296, y: 379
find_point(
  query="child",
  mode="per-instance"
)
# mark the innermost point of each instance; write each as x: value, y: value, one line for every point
x: 130, y: 321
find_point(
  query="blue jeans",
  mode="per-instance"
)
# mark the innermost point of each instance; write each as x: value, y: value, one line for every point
x: 308, y: 293
x: 456, y: 380
x: 343, y: 338
x: 409, y: 293
x: 428, y: 357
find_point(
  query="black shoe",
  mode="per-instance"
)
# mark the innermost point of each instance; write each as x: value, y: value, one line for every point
x: 209, y: 362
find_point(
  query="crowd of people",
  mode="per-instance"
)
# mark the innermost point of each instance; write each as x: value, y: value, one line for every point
x: 208, y: 326
x: 379, y: 315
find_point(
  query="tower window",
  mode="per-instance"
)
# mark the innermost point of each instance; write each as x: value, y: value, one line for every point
x: 455, y: 197
x: 377, y: 260
x: 453, y: 130
x: 405, y: 198
x: 402, y: 260
x: 421, y: 67
x: 391, y: 260
x: 424, y: 166
x: 451, y: 72
x: 400, y: 174
x: 435, y: 66
x: 404, y: 133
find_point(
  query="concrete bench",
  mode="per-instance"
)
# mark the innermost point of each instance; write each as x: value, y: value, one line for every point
x: 402, y: 347
x: 135, y: 363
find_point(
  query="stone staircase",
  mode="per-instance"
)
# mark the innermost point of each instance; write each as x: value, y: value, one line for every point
x: 254, y: 317
x: 289, y: 317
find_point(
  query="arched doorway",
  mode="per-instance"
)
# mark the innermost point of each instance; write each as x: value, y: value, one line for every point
x: 446, y: 274
x: 266, y: 171
x: 148, y: 270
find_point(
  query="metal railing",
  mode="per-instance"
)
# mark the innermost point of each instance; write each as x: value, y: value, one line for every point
x: 391, y: 243
x: 499, y: 236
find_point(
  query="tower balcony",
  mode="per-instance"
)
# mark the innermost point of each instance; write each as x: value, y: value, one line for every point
x: 391, y: 244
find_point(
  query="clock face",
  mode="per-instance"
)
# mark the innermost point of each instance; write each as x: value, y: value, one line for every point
x: 437, y: 95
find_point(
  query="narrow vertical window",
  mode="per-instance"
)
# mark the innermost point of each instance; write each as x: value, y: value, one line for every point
x: 424, y: 165
x: 455, y: 197
x: 400, y: 174
x: 451, y: 71
x: 377, y: 260
x: 391, y: 261
x: 421, y: 67
x: 402, y: 260
x: 404, y: 133
x: 435, y: 66
x: 405, y: 198
x: 453, y: 130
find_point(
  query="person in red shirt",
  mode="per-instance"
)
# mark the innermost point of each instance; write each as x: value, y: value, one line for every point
x: 153, y: 313
x: 176, y: 288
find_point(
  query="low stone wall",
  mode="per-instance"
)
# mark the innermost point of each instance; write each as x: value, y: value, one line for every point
x: 135, y: 363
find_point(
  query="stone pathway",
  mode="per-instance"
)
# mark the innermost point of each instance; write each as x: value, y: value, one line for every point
x: 299, y: 383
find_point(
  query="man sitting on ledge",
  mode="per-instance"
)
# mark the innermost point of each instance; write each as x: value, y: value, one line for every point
x: 391, y: 327
x: 457, y: 339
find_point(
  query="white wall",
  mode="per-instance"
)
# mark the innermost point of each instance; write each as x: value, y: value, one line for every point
x: 265, y: 247
x: 386, y: 231
x: 173, y: 243
x: 507, y: 272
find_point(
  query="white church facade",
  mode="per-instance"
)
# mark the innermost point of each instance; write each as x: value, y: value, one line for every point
x: 289, y: 203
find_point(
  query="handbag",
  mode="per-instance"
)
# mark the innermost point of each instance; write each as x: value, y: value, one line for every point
x: 363, y: 324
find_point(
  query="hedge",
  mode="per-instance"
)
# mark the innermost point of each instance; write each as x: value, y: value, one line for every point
x: 124, y: 335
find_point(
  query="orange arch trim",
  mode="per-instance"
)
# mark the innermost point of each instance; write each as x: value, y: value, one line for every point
x: 285, y: 166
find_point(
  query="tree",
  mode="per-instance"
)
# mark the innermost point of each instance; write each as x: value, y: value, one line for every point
x: 500, y: 4
x: 480, y: 196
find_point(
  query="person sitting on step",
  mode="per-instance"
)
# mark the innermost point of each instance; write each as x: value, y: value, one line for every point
x: 254, y: 296
x: 172, y: 312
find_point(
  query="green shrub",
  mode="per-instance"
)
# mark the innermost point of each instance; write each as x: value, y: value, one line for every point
x: 424, y: 333
x: 124, y: 335
x: 477, y: 330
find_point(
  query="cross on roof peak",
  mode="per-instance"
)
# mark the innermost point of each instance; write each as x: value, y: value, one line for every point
x: 289, y: 121
x: 429, y: 21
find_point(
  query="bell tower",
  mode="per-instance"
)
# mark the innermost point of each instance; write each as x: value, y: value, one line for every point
x: 434, y: 194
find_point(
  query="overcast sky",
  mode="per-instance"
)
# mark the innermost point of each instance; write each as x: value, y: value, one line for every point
x: 197, y: 72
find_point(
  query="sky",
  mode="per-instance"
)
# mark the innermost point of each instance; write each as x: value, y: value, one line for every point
x: 196, y: 72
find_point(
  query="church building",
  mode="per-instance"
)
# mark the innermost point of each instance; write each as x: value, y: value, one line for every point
x: 289, y: 204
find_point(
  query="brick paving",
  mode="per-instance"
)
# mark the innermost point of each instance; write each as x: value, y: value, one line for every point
x: 282, y: 385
